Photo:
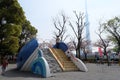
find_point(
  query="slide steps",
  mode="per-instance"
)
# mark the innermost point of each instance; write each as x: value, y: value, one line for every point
x: 65, y: 63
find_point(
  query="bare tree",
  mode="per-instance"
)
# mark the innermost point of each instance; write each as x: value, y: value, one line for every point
x: 103, y: 43
x: 60, y: 26
x: 84, y: 46
x: 80, y: 24
x: 71, y: 45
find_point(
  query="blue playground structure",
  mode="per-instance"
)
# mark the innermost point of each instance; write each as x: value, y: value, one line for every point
x: 30, y: 58
x: 62, y: 46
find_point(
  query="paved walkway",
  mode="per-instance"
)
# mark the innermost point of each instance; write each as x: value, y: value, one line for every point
x: 96, y: 72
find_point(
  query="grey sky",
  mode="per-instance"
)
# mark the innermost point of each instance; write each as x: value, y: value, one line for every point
x: 41, y: 12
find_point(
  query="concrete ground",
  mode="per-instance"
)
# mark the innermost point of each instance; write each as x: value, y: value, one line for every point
x: 96, y: 72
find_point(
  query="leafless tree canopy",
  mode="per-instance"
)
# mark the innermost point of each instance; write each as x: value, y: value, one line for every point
x: 60, y: 25
x: 78, y: 30
x: 103, y: 43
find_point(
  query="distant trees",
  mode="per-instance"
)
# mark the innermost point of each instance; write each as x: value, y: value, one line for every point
x: 12, y: 26
x: 78, y: 31
x: 77, y: 27
x: 112, y: 26
x: 103, y: 43
x: 84, y: 47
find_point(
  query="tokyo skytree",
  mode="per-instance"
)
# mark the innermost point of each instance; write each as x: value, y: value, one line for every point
x: 89, y: 46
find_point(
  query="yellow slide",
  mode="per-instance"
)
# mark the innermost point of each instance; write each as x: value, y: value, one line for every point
x: 65, y: 63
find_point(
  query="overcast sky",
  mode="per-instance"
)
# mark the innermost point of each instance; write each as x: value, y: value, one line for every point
x: 41, y: 12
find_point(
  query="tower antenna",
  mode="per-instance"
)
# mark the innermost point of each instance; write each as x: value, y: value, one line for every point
x: 89, y: 47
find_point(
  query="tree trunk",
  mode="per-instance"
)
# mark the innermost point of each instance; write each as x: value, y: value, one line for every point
x: 107, y: 57
x: 78, y: 50
x: 78, y: 53
x: 85, y: 56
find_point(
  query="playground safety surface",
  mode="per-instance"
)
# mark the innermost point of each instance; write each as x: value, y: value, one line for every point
x: 95, y: 72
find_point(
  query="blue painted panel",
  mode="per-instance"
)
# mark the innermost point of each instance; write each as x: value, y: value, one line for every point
x: 38, y: 67
x: 25, y: 52
x: 40, y: 53
x: 61, y: 45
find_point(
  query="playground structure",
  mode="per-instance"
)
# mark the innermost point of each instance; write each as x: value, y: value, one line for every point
x: 30, y: 58
x: 68, y: 64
